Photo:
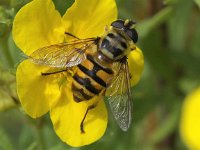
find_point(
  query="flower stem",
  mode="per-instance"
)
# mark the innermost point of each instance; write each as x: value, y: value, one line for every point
x: 6, y: 55
x: 40, y: 134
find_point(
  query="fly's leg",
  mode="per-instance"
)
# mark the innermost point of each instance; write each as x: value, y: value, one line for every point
x: 82, y: 122
x: 50, y: 73
x: 88, y: 109
x: 67, y: 33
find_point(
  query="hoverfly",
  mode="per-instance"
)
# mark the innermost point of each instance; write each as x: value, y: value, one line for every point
x: 101, y: 68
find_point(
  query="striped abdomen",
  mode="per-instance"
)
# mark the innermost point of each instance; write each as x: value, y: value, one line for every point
x: 90, y: 79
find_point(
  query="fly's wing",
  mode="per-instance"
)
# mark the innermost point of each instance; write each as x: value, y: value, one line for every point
x: 63, y: 54
x: 119, y: 96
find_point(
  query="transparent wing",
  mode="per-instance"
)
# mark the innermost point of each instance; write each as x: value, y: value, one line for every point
x: 63, y: 54
x: 119, y: 96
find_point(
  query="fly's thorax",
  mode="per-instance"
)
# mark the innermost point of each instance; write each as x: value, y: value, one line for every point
x: 114, y: 44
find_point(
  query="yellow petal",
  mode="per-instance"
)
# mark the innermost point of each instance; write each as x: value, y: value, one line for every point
x: 87, y: 18
x: 190, y: 121
x: 36, y: 25
x: 136, y: 65
x: 67, y: 116
x: 35, y: 91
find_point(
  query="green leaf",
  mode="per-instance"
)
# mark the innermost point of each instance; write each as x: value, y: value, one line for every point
x: 145, y: 27
x: 8, y: 95
x: 26, y: 138
x: 156, y: 54
x: 62, y: 6
x: 62, y: 147
x: 197, y: 2
x: 6, y: 15
x: 194, y: 44
x: 167, y: 126
x: 170, y: 2
x: 188, y: 84
x: 188, y: 61
x: 5, y: 142
x: 6, y: 57
x: 6, y: 101
x: 16, y: 54
x: 178, y: 25
x: 33, y: 146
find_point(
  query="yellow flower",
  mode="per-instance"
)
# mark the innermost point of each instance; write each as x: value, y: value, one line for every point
x: 190, y: 120
x: 38, y: 24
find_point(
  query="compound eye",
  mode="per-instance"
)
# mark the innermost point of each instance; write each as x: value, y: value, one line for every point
x: 132, y: 33
x: 118, y: 24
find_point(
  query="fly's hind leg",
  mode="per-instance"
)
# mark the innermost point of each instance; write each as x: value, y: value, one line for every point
x: 82, y: 122
x: 88, y: 109
x: 50, y: 73
x: 69, y: 71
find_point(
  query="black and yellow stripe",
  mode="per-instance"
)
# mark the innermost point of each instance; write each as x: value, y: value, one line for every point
x: 90, y: 79
x: 113, y: 46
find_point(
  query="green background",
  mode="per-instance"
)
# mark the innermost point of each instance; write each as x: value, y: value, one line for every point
x: 169, y: 36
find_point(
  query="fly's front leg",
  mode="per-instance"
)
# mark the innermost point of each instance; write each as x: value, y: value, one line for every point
x: 82, y: 122
x: 69, y: 34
